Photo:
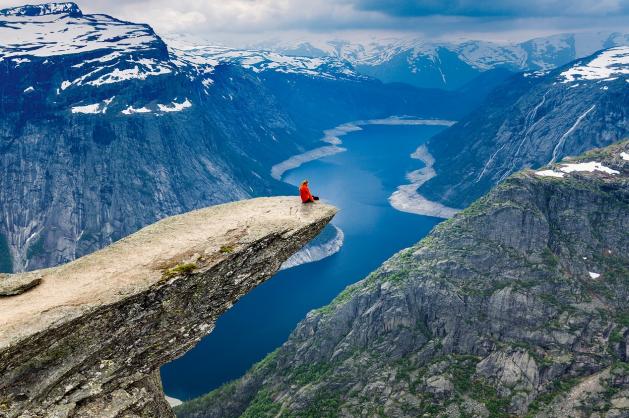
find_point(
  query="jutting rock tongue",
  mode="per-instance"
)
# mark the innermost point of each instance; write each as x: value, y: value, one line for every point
x: 91, y: 335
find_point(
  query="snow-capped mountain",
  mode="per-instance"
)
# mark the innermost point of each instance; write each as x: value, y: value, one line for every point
x: 106, y: 128
x: 531, y: 120
x: 98, y: 51
x: 449, y: 64
x: 205, y: 57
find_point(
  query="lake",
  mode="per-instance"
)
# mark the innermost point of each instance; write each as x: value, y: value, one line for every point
x: 359, y: 182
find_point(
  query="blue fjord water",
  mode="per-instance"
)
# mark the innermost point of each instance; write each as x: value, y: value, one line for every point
x: 359, y: 182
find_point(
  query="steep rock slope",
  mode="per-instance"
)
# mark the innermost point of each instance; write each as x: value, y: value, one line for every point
x: 515, y: 307
x: 89, y: 338
x: 530, y: 120
x: 105, y: 128
x: 450, y: 65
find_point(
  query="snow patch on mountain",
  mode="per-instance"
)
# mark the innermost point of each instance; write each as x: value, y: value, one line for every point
x: 549, y: 173
x: 589, y: 167
x: 175, y: 107
x: 604, y: 66
x: 205, y: 57
x: 94, y: 108
x: 131, y: 110
x: 90, y: 109
x: 61, y: 33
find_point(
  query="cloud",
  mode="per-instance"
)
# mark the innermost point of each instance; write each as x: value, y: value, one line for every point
x: 234, y: 21
x: 507, y: 8
x: 237, y: 15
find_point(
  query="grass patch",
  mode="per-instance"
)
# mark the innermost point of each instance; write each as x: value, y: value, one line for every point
x: 615, y: 337
x: 324, y: 405
x: 262, y: 406
x: 550, y: 259
x: 556, y: 389
x: 183, y: 269
x: 310, y: 373
x: 227, y: 249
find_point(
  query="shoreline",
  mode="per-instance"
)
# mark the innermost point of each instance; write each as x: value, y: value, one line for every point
x: 407, y: 199
x: 315, y: 251
x: 333, y: 137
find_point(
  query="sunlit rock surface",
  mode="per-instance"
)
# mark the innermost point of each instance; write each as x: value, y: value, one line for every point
x: 89, y: 338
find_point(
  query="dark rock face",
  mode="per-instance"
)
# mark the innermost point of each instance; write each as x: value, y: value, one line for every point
x: 515, y: 307
x: 89, y: 338
x: 529, y: 121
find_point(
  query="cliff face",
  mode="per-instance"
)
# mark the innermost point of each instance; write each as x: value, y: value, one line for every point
x: 518, y: 306
x: 88, y: 339
x: 529, y: 121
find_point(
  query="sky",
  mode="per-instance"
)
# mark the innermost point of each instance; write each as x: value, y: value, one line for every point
x: 244, y: 21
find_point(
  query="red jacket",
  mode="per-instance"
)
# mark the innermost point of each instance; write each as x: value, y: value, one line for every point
x: 305, y: 194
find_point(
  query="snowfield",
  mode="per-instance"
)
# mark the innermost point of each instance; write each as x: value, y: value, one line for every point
x: 205, y: 57
x: 104, y: 50
x: 607, y: 66
x: 59, y: 33
x: 539, y: 53
x: 590, y: 167
x: 175, y: 107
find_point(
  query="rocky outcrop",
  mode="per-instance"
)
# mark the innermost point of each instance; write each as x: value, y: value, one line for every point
x: 517, y: 306
x: 89, y: 338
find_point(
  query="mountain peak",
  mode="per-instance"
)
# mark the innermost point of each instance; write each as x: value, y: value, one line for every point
x: 69, y: 8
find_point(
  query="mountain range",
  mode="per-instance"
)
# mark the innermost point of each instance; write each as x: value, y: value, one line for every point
x: 449, y: 65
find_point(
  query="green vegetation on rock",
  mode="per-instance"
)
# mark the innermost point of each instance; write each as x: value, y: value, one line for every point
x: 182, y: 269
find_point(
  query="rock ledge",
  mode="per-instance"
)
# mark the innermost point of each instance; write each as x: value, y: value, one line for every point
x: 89, y: 339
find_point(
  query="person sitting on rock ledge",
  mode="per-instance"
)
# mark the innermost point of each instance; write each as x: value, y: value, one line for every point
x: 304, y: 192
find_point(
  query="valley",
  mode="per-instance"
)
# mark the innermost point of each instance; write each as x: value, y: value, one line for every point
x: 468, y: 257
x: 359, y: 182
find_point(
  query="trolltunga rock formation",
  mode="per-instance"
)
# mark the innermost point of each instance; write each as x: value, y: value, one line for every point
x: 87, y: 338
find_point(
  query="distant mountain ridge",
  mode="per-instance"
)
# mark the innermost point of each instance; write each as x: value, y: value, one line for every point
x: 450, y: 64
